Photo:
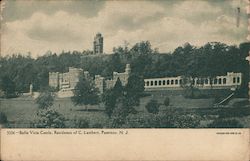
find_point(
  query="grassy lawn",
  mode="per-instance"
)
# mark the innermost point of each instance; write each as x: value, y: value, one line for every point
x: 21, y: 111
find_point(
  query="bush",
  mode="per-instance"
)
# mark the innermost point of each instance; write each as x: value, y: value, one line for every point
x: 187, y: 121
x: 3, y: 118
x: 49, y: 118
x: 81, y: 123
x: 97, y: 125
x: 45, y: 100
x: 166, y: 101
x: 118, y: 117
x: 153, y: 106
x: 225, y: 123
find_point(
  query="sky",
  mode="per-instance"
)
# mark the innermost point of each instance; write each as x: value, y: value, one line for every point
x: 38, y: 26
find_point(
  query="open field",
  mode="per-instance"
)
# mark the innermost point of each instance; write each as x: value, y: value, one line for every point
x: 22, y: 111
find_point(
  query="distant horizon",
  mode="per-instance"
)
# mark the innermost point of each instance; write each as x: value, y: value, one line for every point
x: 41, y: 26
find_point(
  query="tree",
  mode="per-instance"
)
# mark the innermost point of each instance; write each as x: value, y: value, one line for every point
x: 3, y: 118
x: 8, y: 86
x: 85, y: 93
x: 45, y: 100
x: 134, y: 90
x: 153, y: 106
x: 49, y: 118
x: 110, y: 97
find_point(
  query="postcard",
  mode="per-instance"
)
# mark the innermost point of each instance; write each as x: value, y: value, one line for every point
x: 124, y: 80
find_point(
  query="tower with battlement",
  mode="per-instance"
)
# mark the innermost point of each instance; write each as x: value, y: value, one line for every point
x: 98, y: 44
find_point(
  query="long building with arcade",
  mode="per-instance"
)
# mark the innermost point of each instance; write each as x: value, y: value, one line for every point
x: 229, y: 81
x: 66, y: 82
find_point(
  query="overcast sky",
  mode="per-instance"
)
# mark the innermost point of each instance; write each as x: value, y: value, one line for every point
x: 39, y: 26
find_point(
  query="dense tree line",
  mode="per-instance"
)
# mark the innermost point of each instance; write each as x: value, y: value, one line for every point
x: 214, y: 58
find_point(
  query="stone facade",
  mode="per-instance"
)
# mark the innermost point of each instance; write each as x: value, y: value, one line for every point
x: 103, y: 84
x: 66, y: 82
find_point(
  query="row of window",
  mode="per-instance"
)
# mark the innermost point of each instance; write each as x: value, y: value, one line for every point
x: 198, y: 81
x: 163, y: 82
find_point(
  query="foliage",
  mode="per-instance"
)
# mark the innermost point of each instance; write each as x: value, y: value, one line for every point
x: 97, y: 125
x: 8, y: 87
x: 118, y: 117
x: 3, y: 118
x: 153, y: 106
x: 45, y: 100
x: 134, y: 90
x: 85, y: 93
x: 225, y: 123
x: 187, y: 121
x: 50, y: 118
x: 209, y: 60
x: 167, y: 101
x: 165, y: 119
x: 81, y: 123
x: 127, y: 97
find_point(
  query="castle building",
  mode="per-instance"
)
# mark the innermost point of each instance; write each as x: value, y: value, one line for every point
x: 66, y: 82
x: 98, y: 44
x: 103, y: 84
x: 229, y: 81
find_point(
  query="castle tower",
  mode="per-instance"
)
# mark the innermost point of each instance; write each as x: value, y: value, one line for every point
x: 98, y: 44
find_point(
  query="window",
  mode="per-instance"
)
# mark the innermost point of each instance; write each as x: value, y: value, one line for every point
x: 147, y: 83
x: 206, y: 81
x: 180, y: 81
x: 172, y: 81
x: 163, y: 82
x: 224, y: 81
x: 155, y: 83
x: 234, y: 80
x: 152, y: 83
x: 238, y: 79
x: 219, y: 80
x: 176, y: 81
x: 215, y: 81
x: 197, y: 81
x: 193, y: 81
x: 202, y: 81
x: 159, y: 82
x: 167, y: 82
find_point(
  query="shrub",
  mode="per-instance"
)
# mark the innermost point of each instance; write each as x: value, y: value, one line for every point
x: 81, y: 123
x: 3, y: 118
x: 166, y: 101
x: 49, y: 118
x: 225, y: 123
x: 187, y: 121
x: 97, y: 125
x: 153, y: 106
x: 45, y: 100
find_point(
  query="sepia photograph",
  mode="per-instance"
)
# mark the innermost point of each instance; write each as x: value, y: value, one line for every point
x: 124, y: 64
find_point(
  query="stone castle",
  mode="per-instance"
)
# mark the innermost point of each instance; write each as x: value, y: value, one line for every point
x: 65, y: 83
